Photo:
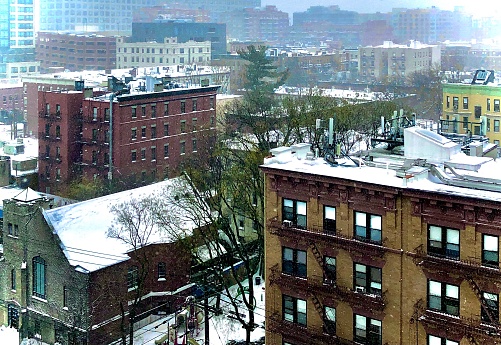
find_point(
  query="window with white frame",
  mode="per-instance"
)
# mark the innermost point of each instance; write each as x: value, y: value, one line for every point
x: 434, y: 340
x: 367, y: 279
x: 368, y: 227
x: 294, y: 309
x: 294, y: 262
x: 294, y: 211
x: 367, y: 331
x: 443, y: 241
x: 490, y: 250
x: 490, y: 310
x: 329, y: 219
x: 443, y: 297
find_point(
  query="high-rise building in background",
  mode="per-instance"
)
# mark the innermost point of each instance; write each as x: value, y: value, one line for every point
x: 91, y: 15
x: 17, y: 45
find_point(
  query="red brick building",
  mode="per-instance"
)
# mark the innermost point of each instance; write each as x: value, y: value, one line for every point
x: 75, y: 52
x: 145, y: 135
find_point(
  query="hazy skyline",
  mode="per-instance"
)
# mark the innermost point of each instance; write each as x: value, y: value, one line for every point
x: 367, y: 6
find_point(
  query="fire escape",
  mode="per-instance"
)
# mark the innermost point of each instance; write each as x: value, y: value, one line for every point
x: 97, y: 143
x: 47, y: 138
x: 319, y: 287
x: 477, y: 331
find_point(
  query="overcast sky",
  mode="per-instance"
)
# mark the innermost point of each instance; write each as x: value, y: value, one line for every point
x: 366, y: 6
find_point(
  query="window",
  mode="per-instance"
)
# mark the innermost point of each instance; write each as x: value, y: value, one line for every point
x: 13, y: 279
x: 134, y: 134
x: 133, y: 155
x: 448, y: 101
x: 367, y: 279
x: 329, y: 269
x: 94, y: 157
x: 162, y: 273
x: 143, y: 111
x: 496, y: 105
x: 153, y: 153
x: 455, y: 103
x: 58, y: 131
x: 153, y: 111
x: 490, y: 250
x: 166, y: 129
x: 465, y: 122
x: 143, y: 132
x: 47, y: 129
x: 433, y: 340
x: 94, y: 134
x: 488, y: 125
x: 194, y: 124
x: 134, y: 113
x: 183, y: 126
x: 13, y: 316
x: 443, y: 297
x: 372, y: 232
x: 294, y: 262
x: 166, y: 108
x: 132, y: 274
x: 65, y: 297
x: 39, y: 278
x: 488, y: 104
x: 294, y: 211
x: 153, y: 131
x: 94, y: 114
x: 329, y: 219
x: 166, y: 150
x: 194, y: 144
x: 465, y: 102
x: 107, y: 114
x: 183, y: 107
x: 143, y: 154
x: 490, y: 310
x: 367, y: 331
x: 329, y: 320
x: 496, y: 126
x: 443, y: 242
x: 194, y: 108
x: 211, y: 102
x: 294, y: 309
x: 478, y: 111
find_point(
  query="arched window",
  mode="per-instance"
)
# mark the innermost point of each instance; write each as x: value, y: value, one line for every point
x: 39, y: 278
x: 161, y: 270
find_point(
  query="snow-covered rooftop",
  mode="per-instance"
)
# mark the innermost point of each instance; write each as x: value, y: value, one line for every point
x: 466, y: 176
x: 82, y: 227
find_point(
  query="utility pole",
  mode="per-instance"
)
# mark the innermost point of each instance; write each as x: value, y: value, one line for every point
x: 206, y: 311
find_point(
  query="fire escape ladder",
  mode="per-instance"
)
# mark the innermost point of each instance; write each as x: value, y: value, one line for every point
x: 317, y: 254
x: 480, y: 297
x: 318, y: 305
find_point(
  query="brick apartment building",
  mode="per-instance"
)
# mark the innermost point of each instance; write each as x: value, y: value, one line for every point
x: 356, y: 254
x: 75, y: 52
x: 143, y: 135
x: 63, y: 279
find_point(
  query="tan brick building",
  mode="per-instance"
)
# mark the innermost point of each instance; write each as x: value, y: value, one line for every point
x: 359, y: 255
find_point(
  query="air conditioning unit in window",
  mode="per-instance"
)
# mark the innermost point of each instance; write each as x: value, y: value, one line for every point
x: 287, y: 223
x: 360, y: 289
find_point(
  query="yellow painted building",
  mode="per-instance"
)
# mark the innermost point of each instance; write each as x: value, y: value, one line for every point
x: 472, y: 107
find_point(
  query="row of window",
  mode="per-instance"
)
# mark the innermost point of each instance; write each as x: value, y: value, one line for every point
x: 161, y: 50
x: 153, y: 129
x: 442, y: 241
x: 366, y: 330
x: 153, y: 151
x: 373, y: 338
x: 162, y: 59
x: 455, y: 103
x: 153, y: 108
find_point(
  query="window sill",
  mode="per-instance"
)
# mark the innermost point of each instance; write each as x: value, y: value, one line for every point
x: 12, y: 236
x: 132, y: 289
x: 162, y: 279
x: 13, y: 290
x: 39, y: 299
